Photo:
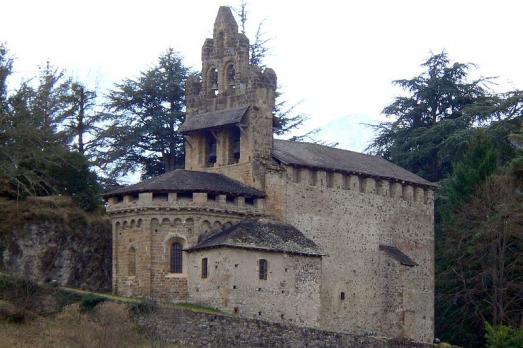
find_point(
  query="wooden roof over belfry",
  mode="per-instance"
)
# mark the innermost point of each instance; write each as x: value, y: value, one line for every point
x: 213, y: 119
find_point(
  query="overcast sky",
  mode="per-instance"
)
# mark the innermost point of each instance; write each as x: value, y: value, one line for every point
x: 339, y: 57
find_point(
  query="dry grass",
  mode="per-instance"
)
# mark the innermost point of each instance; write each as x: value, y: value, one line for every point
x: 109, y: 325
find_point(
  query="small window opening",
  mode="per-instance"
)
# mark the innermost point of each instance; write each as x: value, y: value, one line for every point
x: 236, y: 310
x: 160, y: 196
x: 184, y: 196
x: 212, y: 197
x: 176, y: 258
x: 211, y: 148
x: 249, y: 201
x: 204, y: 268
x: 119, y: 199
x: 234, y: 286
x: 342, y: 295
x: 259, y: 313
x: 235, y: 145
x: 330, y: 179
x: 262, y: 268
x: 282, y: 316
x: 231, y: 200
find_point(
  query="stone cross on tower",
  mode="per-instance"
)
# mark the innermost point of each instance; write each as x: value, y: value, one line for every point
x: 229, y: 107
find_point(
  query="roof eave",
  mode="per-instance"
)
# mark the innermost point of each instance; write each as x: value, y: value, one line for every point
x: 271, y: 250
x: 427, y: 184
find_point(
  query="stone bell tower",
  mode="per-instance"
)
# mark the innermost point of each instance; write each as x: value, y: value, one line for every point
x: 229, y: 108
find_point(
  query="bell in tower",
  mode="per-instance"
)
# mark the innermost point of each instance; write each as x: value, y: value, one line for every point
x: 232, y: 103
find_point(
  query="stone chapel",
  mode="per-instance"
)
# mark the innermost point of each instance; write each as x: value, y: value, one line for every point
x: 273, y: 229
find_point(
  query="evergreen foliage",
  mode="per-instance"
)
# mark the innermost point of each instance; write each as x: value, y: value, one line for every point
x: 144, y: 115
x: 503, y: 336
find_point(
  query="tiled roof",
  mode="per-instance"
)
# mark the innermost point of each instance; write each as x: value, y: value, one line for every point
x: 190, y: 181
x: 261, y: 235
x: 329, y: 158
x: 213, y: 119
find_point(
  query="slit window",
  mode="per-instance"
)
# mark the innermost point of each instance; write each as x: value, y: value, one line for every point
x: 262, y: 269
x: 176, y: 258
x: 204, y: 268
x: 342, y: 296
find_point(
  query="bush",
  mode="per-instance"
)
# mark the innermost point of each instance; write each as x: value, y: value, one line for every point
x: 502, y: 336
x: 64, y: 298
x: 89, y: 301
x: 145, y: 306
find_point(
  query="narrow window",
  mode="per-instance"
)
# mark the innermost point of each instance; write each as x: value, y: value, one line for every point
x: 204, y: 268
x: 342, y: 296
x: 176, y: 258
x: 262, y: 263
x: 131, y: 270
x: 234, y: 156
x: 211, y: 148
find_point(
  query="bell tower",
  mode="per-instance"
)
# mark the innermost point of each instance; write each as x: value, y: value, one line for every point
x: 228, y: 128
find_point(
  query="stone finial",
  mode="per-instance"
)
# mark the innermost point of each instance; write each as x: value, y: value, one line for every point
x: 225, y: 22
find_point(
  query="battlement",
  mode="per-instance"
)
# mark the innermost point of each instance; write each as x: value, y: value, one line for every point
x: 185, y: 201
x: 360, y: 183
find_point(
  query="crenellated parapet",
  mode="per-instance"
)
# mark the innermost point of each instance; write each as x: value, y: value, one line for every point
x: 361, y: 183
x: 185, y: 201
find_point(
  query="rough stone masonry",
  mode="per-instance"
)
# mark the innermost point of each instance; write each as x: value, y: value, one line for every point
x: 286, y: 232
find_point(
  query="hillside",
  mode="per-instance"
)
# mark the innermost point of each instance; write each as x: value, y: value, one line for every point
x: 51, y: 240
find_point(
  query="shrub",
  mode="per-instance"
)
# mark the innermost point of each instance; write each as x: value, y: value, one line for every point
x: 89, y: 301
x: 502, y: 336
x: 145, y: 306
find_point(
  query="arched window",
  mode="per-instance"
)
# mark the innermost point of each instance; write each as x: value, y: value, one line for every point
x: 230, y: 77
x: 176, y: 258
x: 213, y: 81
x: 262, y: 269
x: 131, y: 269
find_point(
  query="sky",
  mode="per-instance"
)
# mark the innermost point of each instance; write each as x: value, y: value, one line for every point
x: 337, y: 58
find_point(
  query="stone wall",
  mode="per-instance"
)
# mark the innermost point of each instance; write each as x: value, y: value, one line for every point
x: 191, y: 329
x: 349, y: 219
x: 142, y: 237
x: 290, y: 294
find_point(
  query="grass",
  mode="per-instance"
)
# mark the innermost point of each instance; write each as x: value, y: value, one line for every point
x: 197, y: 308
x: 33, y: 315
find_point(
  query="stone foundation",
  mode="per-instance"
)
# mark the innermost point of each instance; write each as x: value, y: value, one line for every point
x: 192, y: 329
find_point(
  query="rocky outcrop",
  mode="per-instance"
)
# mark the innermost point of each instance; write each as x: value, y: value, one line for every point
x: 49, y: 239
